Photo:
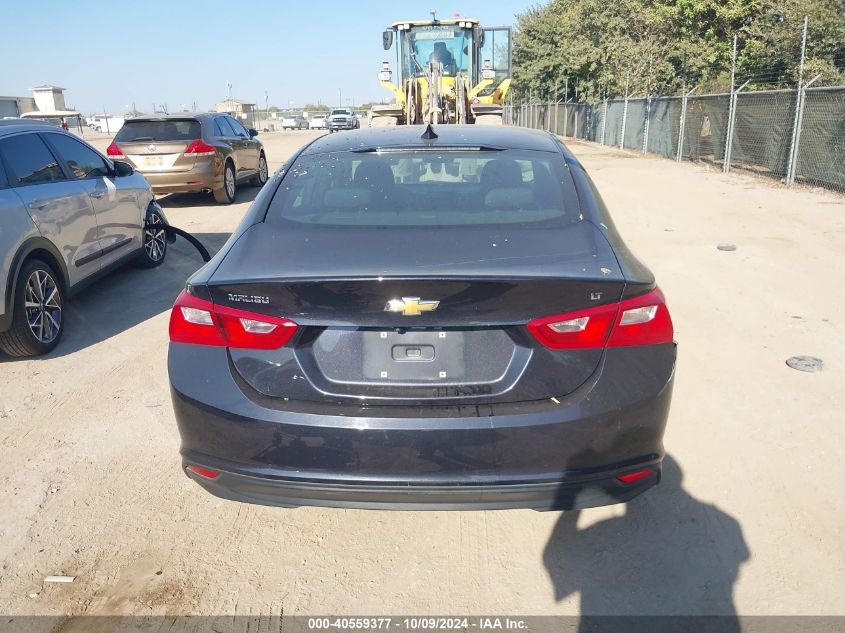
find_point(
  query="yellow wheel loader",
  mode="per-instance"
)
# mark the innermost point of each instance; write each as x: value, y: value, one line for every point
x: 448, y: 71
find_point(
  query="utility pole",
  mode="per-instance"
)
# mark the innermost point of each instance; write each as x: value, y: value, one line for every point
x: 229, y: 90
x: 106, y: 116
x: 339, y: 98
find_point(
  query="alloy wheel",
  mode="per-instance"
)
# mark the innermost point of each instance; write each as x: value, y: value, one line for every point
x: 262, y: 169
x: 229, y: 178
x: 154, y: 237
x: 43, y: 305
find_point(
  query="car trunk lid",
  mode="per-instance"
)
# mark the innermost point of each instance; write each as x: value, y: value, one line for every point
x: 426, y: 315
x: 159, y: 145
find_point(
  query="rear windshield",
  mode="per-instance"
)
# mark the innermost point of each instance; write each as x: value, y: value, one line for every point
x: 170, y: 130
x: 426, y: 188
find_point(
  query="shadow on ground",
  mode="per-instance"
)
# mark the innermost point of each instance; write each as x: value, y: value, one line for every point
x: 129, y: 296
x: 245, y: 193
x: 669, y: 554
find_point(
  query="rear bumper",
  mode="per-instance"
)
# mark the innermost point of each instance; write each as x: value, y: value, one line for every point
x: 201, y: 177
x: 556, y: 454
x: 573, y: 491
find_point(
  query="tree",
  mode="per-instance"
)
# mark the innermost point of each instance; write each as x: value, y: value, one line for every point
x: 660, y: 47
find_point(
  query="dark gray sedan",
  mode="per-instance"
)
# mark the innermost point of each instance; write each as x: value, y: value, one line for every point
x: 432, y: 319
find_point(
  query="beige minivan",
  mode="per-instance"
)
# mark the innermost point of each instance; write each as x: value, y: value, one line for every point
x: 183, y: 153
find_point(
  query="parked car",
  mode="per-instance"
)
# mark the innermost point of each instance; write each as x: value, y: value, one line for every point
x: 480, y: 337
x: 294, y: 123
x: 318, y: 122
x: 342, y: 119
x: 110, y: 124
x: 67, y: 216
x: 209, y: 153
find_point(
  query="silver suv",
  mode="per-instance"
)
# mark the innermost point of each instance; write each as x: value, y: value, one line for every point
x: 67, y: 216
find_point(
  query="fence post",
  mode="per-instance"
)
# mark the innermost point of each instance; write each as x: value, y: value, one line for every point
x: 796, y: 143
x: 557, y: 112
x: 624, y: 123
x: 576, y: 121
x: 683, y: 126
x: 729, y: 143
x: 647, y: 122
x: 726, y: 163
x: 565, y: 117
x: 796, y: 124
x: 604, y: 121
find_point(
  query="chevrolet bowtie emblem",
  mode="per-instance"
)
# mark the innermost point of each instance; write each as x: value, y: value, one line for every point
x: 411, y: 306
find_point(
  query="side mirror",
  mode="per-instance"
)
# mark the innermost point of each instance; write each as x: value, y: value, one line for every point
x: 122, y: 169
x: 252, y: 132
x: 387, y: 39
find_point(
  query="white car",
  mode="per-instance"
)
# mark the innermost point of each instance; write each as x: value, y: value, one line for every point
x: 318, y: 122
x: 294, y: 123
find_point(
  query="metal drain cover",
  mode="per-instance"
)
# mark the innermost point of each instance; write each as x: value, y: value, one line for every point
x: 805, y: 363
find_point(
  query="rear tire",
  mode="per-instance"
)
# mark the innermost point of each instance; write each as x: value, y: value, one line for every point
x: 226, y: 194
x: 154, y: 241
x: 38, y: 308
x: 263, y: 173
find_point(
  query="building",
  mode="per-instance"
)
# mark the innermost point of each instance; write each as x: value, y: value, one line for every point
x: 46, y: 103
x: 238, y: 108
x: 49, y: 98
x: 16, y: 106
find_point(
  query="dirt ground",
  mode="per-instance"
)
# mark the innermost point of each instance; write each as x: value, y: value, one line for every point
x: 748, y: 519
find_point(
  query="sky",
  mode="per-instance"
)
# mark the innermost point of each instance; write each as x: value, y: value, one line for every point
x: 109, y: 55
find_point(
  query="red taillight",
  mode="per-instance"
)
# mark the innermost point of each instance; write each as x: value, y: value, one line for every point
x: 576, y: 330
x: 643, y: 320
x: 629, y: 478
x: 203, y: 472
x: 113, y: 151
x: 202, y: 322
x: 200, y: 148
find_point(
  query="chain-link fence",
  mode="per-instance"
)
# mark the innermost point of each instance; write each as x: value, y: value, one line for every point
x: 789, y: 135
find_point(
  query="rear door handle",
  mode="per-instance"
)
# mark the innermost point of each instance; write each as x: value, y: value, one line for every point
x: 37, y: 206
x: 97, y: 194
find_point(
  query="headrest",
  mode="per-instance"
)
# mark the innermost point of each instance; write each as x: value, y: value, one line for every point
x: 347, y: 198
x: 509, y: 198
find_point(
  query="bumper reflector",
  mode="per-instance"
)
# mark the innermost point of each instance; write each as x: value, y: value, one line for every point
x: 629, y: 478
x: 203, y: 472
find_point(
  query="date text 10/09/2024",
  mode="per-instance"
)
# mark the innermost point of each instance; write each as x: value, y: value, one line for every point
x: 417, y: 623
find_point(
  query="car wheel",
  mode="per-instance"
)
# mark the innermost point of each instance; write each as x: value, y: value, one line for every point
x: 226, y: 194
x: 261, y: 178
x: 154, y: 240
x: 38, y: 305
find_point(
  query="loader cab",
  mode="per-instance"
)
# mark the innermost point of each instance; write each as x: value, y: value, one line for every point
x: 448, y: 43
x: 463, y: 46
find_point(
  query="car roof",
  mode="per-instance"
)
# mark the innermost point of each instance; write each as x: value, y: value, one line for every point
x: 182, y: 116
x: 499, y: 137
x: 12, y: 126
